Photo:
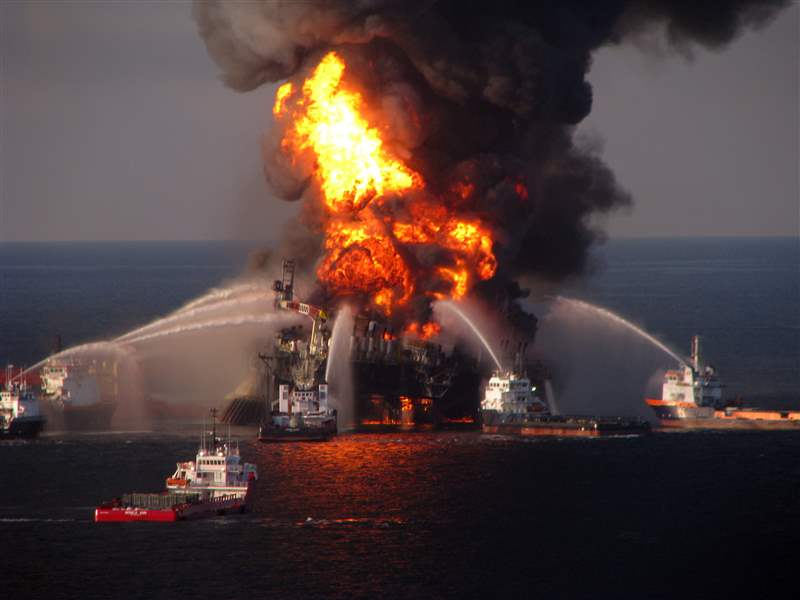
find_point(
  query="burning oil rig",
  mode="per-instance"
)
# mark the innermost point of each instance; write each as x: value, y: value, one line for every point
x: 397, y: 380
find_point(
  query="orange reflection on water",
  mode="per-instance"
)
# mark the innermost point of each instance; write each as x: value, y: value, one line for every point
x: 348, y: 476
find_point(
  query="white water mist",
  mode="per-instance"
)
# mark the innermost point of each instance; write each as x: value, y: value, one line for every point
x: 601, y: 363
x: 452, y: 307
x: 604, y: 313
x: 550, y: 397
x: 225, y: 293
x: 252, y: 303
x: 338, y: 370
x: 206, y: 325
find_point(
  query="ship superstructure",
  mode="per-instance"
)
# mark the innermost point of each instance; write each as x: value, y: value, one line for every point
x: 692, y: 396
x: 217, y: 471
x: 78, y: 396
x: 296, y: 373
x: 19, y: 408
x: 510, y: 397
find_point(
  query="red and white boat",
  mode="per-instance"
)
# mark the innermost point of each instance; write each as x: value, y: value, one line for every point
x: 216, y: 483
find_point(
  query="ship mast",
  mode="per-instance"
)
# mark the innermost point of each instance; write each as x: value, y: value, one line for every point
x: 213, y: 429
x: 696, y: 353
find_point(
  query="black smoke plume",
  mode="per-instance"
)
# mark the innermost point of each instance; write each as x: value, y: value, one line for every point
x: 486, y: 91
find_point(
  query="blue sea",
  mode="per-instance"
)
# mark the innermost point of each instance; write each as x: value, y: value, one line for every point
x: 425, y: 514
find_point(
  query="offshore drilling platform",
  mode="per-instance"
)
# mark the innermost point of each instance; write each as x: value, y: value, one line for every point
x: 398, y: 379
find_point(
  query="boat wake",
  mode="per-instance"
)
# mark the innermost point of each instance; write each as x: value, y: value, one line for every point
x: 351, y: 522
x: 35, y: 520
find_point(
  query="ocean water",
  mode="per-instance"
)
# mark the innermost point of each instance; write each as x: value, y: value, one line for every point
x: 418, y: 515
x: 741, y: 295
x: 86, y: 292
x: 678, y: 515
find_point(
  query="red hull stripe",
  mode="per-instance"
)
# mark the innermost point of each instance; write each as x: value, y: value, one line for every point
x: 122, y: 515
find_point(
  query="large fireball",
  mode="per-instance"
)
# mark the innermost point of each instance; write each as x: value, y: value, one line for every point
x: 370, y: 246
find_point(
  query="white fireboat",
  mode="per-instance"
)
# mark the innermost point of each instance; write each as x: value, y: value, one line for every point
x: 509, y: 398
x: 511, y: 406
x: 19, y: 409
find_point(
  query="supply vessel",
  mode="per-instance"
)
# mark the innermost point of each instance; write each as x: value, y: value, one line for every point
x: 19, y: 407
x: 216, y: 483
x: 512, y: 405
x: 692, y: 398
x: 78, y: 396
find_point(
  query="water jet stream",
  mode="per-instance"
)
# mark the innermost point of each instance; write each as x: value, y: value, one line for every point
x: 217, y: 294
x: 338, y: 370
x: 550, y: 396
x: 229, y: 322
x: 607, y: 314
x: 91, y: 347
x: 452, y: 306
x: 186, y: 314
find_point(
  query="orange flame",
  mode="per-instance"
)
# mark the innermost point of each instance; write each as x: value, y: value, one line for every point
x: 280, y: 98
x: 430, y: 329
x: 464, y: 190
x: 362, y: 258
x: 354, y: 168
x: 425, y: 332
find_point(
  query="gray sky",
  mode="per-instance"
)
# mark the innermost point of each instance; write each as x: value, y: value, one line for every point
x: 115, y: 126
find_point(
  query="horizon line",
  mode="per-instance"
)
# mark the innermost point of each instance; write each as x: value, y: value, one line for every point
x: 272, y: 241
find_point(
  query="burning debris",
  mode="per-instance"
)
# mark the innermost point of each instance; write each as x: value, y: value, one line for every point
x: 431, y: 142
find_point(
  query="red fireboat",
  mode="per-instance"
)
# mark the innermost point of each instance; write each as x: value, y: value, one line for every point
x: 216, y: 483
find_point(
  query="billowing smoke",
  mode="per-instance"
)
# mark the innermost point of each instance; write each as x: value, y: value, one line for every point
x: 478, y: 98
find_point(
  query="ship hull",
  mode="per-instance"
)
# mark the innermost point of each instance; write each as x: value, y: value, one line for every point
x: 681, y: 415
x: 211, y: 508
x: 714, y: 423
x: 91, y: 417
x: 22, y: 427
x: 88, y: 418
x: 564, y: 426
x: 274, y: 435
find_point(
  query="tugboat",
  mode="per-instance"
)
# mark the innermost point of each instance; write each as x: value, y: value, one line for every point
x: 692, y: 398
x: 511, y: 406
x: 217, y: 482
x: 19, y: 409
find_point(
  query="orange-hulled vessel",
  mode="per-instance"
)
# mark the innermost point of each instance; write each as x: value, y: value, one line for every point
x: 692, y: 398
x: 217, y: 482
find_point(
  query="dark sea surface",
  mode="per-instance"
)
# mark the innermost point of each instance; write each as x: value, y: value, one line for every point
x: 86, y: 292
x: 419, y: 515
